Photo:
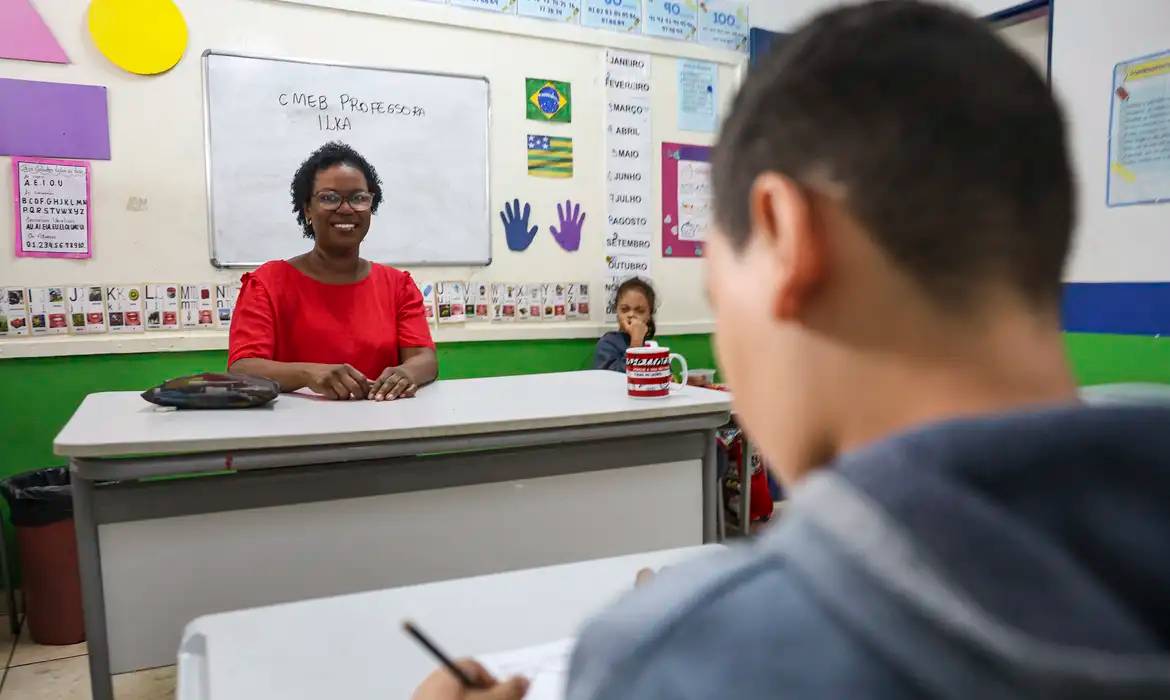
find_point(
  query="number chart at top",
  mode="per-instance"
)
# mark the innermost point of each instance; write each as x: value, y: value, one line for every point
x: 615, y: 15
x: 673, y: 19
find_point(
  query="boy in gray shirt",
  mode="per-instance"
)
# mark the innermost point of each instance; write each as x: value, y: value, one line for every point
x: 894, y: 207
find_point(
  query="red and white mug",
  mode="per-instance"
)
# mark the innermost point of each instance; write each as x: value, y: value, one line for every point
x: 648, y: 371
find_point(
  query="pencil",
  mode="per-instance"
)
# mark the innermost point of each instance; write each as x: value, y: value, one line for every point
x: 438, y: 654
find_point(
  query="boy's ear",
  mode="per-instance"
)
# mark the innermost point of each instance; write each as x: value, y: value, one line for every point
x: 783, y: 222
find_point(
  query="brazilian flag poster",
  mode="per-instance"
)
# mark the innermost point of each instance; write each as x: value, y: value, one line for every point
x: 549, y: 100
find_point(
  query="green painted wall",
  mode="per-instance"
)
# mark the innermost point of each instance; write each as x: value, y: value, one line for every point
x: 37, y: 396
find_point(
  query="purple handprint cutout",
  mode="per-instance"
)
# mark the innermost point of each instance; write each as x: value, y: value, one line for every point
x: 516, y: 225
x: 571, y: 220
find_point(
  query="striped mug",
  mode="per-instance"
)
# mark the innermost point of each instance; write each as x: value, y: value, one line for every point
x: 648, y: 371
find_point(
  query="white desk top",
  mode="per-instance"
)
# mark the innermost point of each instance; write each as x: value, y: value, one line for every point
x: 122, y: 423
x: 353, y: 647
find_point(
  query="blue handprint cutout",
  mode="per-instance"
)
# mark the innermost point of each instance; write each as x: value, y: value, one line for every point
x: 571, y: 220
x: 516, y: 225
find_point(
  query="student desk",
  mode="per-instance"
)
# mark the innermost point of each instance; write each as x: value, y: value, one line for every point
x: 185, y: 513
x: 353, y: 646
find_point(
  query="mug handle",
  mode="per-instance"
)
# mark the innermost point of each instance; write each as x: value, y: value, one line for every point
x: 682, y: 361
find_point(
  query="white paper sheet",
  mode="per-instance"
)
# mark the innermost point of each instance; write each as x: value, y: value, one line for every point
x: 546, y: 666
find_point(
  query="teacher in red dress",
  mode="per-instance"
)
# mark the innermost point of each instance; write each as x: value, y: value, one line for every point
x: 330, y: 320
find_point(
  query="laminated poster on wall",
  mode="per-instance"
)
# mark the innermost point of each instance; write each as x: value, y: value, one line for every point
x: 197, y: 308
x: 687, y: 199
x: 531, y: 303
x: 226, y: 296
x: 577, y: 301
x: 673, y: 19
x: 479, y: 301
x: 554, y: 10
x: 47, y: 311
x: 51, y: 201
x: 161, y: 306
x: 698, y: 88
x: 614, y: 15
x: 15, y: 311
x: 555, y: 307
x: 87, y: 310
x: 1139, y: 132
x: 124, y: 308
x: 629, y: 156
x: 501, y: 6
x: 451, y: 298
x: 724, y: 24
x: 505, y: 297
x: 427, y: 290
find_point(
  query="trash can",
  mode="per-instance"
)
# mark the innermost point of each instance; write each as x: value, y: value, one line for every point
x: 41, y: 504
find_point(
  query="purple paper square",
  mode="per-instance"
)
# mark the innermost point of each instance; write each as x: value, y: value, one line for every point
x: 53, y: 120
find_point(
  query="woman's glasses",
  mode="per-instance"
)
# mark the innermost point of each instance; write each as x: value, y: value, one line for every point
x: 331, y: 201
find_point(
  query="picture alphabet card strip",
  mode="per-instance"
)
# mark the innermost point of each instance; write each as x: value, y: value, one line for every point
x: 124, y: 308
x: 162, y: 307
x: 87, y: 310
x: 47, y: 311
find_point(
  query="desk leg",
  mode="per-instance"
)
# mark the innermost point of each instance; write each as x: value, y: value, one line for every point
x: 745, y: 485
x: 710, y: 489
x: 93, y: 597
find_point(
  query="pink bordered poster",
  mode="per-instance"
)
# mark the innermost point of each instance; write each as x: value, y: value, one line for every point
x: 51, y: 201
x: 686, y: 199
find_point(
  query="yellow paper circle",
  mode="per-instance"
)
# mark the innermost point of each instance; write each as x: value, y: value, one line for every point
x: 139, y: 36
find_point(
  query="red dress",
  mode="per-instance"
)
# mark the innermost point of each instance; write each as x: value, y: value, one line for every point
x: 282, y: 314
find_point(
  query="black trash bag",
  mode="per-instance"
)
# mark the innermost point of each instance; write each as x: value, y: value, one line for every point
x: 212, y: 390
x: 39, y: 498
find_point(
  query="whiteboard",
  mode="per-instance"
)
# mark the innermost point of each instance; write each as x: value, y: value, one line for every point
x: 425, y: 133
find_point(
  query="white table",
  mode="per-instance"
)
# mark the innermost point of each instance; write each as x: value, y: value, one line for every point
x: 309, y: 498
x: 353, y: 647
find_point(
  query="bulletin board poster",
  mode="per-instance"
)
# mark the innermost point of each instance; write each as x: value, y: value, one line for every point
x: 554, y: 10
x: 673, y: 19
x: 615, y: 15
x: 506, y: 6
x: 1139, y: 132
x: 724, y: 24
x: 51, y: 200
x: 687, y: 199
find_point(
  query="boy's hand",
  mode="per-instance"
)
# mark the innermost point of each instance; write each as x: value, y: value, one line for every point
x: 441, y: 685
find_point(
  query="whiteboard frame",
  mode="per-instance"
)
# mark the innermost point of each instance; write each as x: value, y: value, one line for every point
x: 487, y: 129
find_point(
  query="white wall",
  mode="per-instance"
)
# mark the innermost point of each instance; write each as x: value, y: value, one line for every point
x: 785, y: 15
x: 1123, y: 244
x: 156, y: 130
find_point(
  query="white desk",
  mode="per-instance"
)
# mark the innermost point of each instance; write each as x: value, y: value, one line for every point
x: 353, y: 647
x: 308, y: 498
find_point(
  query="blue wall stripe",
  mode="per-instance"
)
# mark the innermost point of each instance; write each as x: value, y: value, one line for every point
x: 1124, y: 308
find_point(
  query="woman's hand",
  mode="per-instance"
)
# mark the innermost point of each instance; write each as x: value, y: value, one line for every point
x: 394, y: 383
x: 441, y: 685
x: 337, y: 382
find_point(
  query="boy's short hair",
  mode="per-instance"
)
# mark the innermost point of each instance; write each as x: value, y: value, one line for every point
x: 949, y: 146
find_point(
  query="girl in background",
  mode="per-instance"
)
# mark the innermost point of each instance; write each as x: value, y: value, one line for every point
x: 636, y: 302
